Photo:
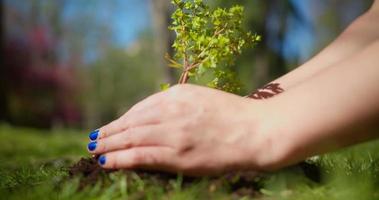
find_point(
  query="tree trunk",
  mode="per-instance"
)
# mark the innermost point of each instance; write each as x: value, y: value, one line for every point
x: 3, y: 93
x: 160, y: 12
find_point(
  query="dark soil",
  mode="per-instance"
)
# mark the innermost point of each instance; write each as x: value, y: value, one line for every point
x: 237, y: 184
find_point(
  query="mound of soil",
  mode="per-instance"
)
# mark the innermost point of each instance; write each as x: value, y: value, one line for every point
x: 237, y: 184
x: 240, y: 184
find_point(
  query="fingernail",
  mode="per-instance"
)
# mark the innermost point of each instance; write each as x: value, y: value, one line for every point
x: 102, y: 160
x: 92, y: 146
x: 94, y: 134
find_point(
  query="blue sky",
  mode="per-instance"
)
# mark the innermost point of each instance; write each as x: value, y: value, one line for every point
x: 136, y: 17
x: 127, y: 18
x: 300, y: 37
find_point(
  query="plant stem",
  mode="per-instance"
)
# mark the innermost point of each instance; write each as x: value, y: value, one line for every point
x: 184, y: 76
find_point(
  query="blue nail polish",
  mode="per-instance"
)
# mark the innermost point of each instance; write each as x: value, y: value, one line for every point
x: 102, y: 160
x: 94, y: 134
x: 92, y: 146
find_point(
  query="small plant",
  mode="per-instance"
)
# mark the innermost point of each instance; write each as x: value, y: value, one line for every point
x: 208, y: 42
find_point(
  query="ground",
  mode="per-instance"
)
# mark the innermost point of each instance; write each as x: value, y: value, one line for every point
x: 35, y: 164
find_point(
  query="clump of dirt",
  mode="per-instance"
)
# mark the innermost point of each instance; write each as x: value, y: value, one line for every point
x: 239, y: 184
x: 89, y: 171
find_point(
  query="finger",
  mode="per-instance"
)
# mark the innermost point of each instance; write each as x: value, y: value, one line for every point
x: 159, y: 158
x: 121, y: 123
x: 151, y: 135
x: 111, y: 128
x: 135, y: 120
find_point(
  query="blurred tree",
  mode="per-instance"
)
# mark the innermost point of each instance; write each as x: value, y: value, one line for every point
x: 119, y: 79
x: 41, y: 89
x: 56, y: 39
x: 3, y: 98
x: 161, y: 12
x: 35, y: 83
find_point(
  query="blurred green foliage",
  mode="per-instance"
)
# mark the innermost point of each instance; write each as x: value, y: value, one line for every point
x: 74, y: 75
x: 118, y: 80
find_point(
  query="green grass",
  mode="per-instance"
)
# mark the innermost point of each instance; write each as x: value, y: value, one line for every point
x: 33, y: 165
x: 32, y: 159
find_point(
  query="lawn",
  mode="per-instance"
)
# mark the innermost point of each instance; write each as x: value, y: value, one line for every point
x: 34, y: 165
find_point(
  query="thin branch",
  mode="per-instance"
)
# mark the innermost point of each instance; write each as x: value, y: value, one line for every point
x: 184, y: 76
x: 216, y: 33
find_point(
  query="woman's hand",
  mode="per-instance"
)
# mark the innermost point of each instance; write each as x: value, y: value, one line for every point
x: 188, y: 129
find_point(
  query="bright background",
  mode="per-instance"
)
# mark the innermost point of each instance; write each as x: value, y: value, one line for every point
x: 81, y: 63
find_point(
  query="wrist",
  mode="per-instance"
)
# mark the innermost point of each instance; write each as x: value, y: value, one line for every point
x: 273, y: 145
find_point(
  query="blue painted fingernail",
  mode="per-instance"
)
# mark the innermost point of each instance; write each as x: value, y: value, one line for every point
x: 94, y: 134
x: 102, y: 160
x: 92, y: 146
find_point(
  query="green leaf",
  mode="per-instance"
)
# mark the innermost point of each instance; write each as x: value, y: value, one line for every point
x: 164, y: 86
x: 210, y: 40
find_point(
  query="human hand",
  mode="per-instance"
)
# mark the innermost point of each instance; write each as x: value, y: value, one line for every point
x: 189, y: 129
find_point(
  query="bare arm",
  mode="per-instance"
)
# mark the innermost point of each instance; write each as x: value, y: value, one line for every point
x: 336, y: 108
x: 220, y: 132
x: 201, y: 131
x: 361, y: 33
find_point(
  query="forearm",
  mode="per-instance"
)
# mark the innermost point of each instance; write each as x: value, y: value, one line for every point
x: 333, y: 109
x: 355, y: 38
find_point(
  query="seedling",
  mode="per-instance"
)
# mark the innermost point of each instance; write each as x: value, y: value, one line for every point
x: 208, y: 41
